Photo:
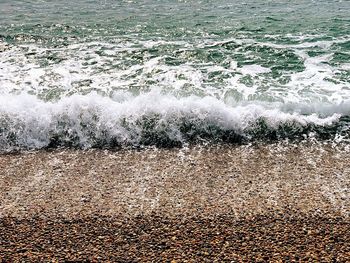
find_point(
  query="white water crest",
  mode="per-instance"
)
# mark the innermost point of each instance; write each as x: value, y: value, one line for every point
x: 96, y: 121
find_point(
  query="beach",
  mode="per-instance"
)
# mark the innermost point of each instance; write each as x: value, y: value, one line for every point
x: 174, y: 131
x: 219, y: 202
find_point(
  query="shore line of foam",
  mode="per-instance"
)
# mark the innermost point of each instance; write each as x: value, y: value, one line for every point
x: 94, y: 121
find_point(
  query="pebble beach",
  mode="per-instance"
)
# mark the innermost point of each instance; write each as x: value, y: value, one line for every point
x: 209, y: 203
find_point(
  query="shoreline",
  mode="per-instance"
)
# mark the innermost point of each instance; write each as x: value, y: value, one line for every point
x: 243, y: 180
x: 283, y: 189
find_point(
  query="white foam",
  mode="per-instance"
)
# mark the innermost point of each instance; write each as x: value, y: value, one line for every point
x: 34, y: 122
x: 107, y: 66
x: 253, y: 70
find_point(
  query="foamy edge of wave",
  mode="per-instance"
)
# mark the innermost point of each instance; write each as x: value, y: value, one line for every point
x: 92, y: 120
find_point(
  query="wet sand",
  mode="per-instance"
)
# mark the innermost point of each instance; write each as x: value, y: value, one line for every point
x: 266, y: 202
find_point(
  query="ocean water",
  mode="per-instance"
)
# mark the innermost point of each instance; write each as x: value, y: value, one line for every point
x: 171, y: 72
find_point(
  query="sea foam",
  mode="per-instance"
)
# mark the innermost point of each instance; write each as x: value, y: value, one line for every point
x: 155, y: 118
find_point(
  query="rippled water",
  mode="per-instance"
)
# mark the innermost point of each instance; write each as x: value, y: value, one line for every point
x: 106, y: 73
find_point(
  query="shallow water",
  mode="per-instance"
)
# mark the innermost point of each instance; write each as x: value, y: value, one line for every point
x: 113, y: 73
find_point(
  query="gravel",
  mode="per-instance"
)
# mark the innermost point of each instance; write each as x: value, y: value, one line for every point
x: 263, y: 203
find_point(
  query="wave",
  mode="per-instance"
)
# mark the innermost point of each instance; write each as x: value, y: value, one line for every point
x: 153, y: 118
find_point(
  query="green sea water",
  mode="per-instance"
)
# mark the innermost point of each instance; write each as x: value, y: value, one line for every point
x: 143, y: 72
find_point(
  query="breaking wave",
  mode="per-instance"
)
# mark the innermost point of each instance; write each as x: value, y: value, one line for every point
x: 154, y: 118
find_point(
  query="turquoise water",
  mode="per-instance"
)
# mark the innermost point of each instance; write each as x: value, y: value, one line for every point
x: 113, y: 73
